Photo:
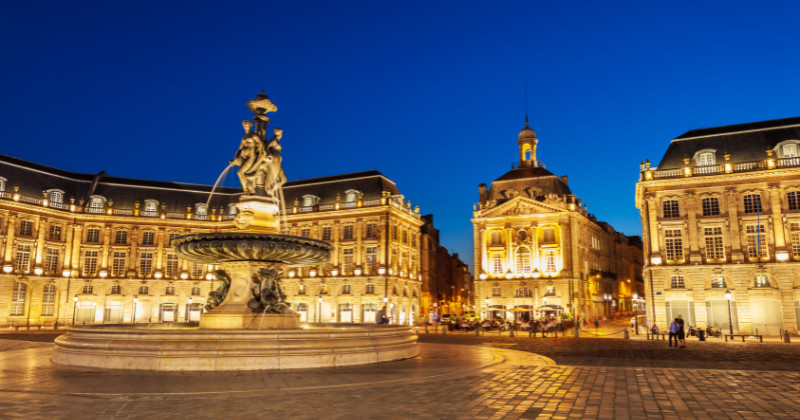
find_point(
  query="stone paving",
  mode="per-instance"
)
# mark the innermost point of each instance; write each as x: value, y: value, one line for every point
x: 491, y: 377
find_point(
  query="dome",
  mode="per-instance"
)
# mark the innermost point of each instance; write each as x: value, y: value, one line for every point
x: 527, y: 132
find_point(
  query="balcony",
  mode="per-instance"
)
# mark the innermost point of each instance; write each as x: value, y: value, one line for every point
x: 722, y: 168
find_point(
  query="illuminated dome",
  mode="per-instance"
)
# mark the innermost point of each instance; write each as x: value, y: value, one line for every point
x: 527, y: 132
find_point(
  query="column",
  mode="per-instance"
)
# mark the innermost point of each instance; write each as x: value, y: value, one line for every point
x: 777, y: 220
x: 106, y: 247
x: 734, y: 230
x: 12, y: 224
x: 692, y: 228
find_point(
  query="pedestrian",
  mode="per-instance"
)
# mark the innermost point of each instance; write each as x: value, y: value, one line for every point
x: 673, y: 332
x: 596, y: 324
x: 681, y: 332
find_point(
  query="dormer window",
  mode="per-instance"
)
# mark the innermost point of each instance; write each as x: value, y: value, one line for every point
x: 232, y: 209
x: 55, y: 196
x: 200, y: 209
x: 310, y: 200
x: 96, y: 204
x: 787, y: 149
x: 705, y: 157
x: 351, y: 195
x: 2, y: 184
x: 150, y: 207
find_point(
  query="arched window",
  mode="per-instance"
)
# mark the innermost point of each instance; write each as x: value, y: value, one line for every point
x: 346, y: 289
x: 96, y: 204
x: 351, y: 195
x: 48, y: 300
x: 523, y: 259
x: 200, y: 209
x: 150, y: 206
x: 18, y: 296
x: 523, y: 291
x: 370, y: 289
x: 310, y: 200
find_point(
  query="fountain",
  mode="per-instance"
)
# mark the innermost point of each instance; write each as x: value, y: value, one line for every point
x: 248, y: 325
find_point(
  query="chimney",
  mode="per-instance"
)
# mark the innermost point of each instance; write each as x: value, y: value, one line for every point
x: 482, y: 193
x: 565, y: 179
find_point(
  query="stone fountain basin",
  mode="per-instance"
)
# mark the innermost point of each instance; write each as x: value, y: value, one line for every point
x: 222, y: 247
x: 182, y: 347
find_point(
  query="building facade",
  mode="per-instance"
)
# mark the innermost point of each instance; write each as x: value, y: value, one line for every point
x: 539, y: 253
x: 721, y: 224
x: 82, y: 248
x: 450, y: 286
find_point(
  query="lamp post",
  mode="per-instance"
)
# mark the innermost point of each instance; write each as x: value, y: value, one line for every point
x: 636, y: 312
x: 74, y: 308
x: 487, y: 308
x: 189, y: 309
x: 133, y: 316
x: 730, y: 316
x: 319, y: 309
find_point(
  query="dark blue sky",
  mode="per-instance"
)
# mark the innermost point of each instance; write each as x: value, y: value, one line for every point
x: 429, y: 93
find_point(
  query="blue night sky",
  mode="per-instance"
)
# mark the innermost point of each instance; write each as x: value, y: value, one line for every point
x: 432, y: 94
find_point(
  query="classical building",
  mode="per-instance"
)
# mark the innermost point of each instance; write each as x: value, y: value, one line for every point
x: 96, y: 248
x: 450, y: 287
x: 538, y: 252
x: 721, y: 222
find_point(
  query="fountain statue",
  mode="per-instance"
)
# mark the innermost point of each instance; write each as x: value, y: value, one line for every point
x: 248, y: 324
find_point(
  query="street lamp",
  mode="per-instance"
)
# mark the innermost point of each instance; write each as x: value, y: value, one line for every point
x: 636, y: 312
x: 730, y: 317
x: 74, y: 308
x: 133, y: 317
x: 319, y: 309
x: 189, y: 309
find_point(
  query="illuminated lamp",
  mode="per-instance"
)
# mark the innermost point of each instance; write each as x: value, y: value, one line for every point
x: 7, y: 268
x: 509, y: 275
x: 782, y: 255
x: 536, y: 273
x: 103, y: 273
x: 184, y: 275
x: 483, y: 276
x: 334, y: 272
x: 358, y: 271
x: 157, y: 274
x: 382, y: 271
x: 38, y: 271
x: 209, y: 276
x: 655, y: 260
x: 312, y: 273
x: 65, y: 273
x: 291, y: 273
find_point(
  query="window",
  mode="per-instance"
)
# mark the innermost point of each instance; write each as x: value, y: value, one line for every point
x: 370, y: 290
x: 172, y: 265
x: 756, y: 241
x: 118, y: 264
x: 523, y: 260
x: 595, y: 243
x: 23, y: 263
x: 121, y: 237
x: 144, y: 290
x: 90, y: 263
x: 715, y: 250
x: 309, y: 200
x: 326, y: 233
x: 523, y: 291
x: 195, y: 291
x: 55, y: 232
x: 548, y: 235
x: 170, y: 290
x: 551, y: 291
x: 146, y: 263
x: 752, y: 203
x: 761, y: 280
x: 372, y: 260
x: 705, y: 159
x: 18, y: 296
x: 2, y: 184
x: 196, y: 270
x: 405, y: 236
x: 496, y: 238
x: 414, y: 241
x: 496, y: 261
x: 351, y: 195
x: 26, y: 228
x: 671, y: 209
x: 306, y: 233
x: 789, y: 150
x: 673, y: 244
x: 93, y: 235
x: 116, y: 289
x: 150, y: 207
x: 497, y: 291
x: 172, y: 236
x: 794, y: 232
x: 148, y: 237
x: 232, y: 209
x: 677, y: 282
x: 348, y: 233
x: 96, y: 205
x: 718, y: 281
x: 56, y: 197
x: 48, y: 300
x: 394, y: 233
x: 301, y: 289
x: 51, y: 261
x: 347, y: 261
x: 711, y: 206
x: 201, y: 209
x: 87, y: 289
x: 372, y: 231
x: 549, y: 257
x: 793, y: 198
x: 346, y: 289
x: 323, y: 289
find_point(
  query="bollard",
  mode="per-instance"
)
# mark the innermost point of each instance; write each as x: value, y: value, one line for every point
x: 444, y: 329
x: 577, y: 332
x: 426, y: 328
x: 477, y: 331
x: 701, y: 334
x: 626, y: 335
x: 786, y: 338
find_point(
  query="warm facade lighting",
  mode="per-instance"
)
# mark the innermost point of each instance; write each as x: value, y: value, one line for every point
x: 655, y: 260
x: 7, y: 268
x: 184, y: 275
x: 38, y: 271
x: 358, y: 271
x: 381, y: 271
x: 483, y: 276
x: 209, y: 276
x: 509, y: 275
x: 103, y: 273
x: 157, y: 274
x: 728, y: 294
x: 335, y: 272
x: 65, y: 273
x: 291, y: 273
x: 536, y: 273
x: 782, y: 256
x: 312, y: 273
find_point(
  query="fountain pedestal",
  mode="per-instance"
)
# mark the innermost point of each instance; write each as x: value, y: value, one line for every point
x: 233, y: 312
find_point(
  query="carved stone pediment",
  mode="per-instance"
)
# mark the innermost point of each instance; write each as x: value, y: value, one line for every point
x: 522, y: 206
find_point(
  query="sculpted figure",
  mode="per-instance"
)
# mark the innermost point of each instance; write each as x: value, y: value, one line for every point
x: 260, y: 171
x: 267, y: 294
x: 216, y: 297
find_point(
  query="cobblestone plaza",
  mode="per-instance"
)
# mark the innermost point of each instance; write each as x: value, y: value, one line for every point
x: 457, y: 375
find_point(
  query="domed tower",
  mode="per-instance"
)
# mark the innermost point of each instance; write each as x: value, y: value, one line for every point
x: 527, y: 146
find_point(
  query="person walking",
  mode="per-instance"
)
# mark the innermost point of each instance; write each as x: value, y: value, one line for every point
x: 673, y: 332
x: 681, y: 332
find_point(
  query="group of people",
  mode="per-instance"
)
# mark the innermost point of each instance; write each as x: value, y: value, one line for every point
x: 677, y: 332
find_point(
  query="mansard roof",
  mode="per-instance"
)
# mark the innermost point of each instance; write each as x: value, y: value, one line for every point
x: 745, y: 142
x: 33, y: 178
